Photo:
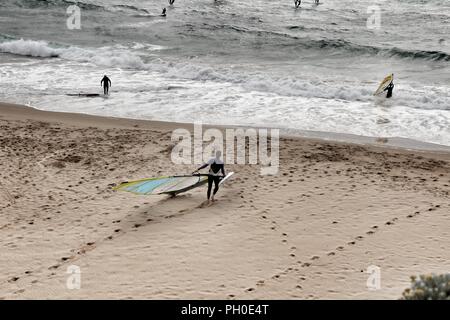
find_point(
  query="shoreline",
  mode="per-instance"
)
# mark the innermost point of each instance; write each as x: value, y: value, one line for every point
x: 393, y: 143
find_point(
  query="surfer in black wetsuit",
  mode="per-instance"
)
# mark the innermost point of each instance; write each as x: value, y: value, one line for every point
x: 389, y: 89
x: 106, y: 83
x: 163, y: 14
x: 297, y: 3
x: 215, y: 174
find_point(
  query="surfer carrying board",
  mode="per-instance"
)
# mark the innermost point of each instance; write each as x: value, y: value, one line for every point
x: 386, y: 85
x: 106, y: 83
x: 389, y: 89
x: 215, y: 174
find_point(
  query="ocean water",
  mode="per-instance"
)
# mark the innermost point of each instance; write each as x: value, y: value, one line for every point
x: 259, y: 62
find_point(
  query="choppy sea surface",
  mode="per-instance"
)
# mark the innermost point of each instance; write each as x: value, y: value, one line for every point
x: 259, y: 62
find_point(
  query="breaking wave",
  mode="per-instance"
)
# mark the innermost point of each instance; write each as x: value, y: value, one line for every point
x: 122, y: 57
x: 36, y: 4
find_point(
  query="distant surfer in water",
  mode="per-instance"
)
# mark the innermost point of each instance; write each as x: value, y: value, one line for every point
x: 163, y: 14
x: 297, y: 3
x: 171, y: 2
x: 389, y: 89
x: 215, y: 174
x: 106, y: 83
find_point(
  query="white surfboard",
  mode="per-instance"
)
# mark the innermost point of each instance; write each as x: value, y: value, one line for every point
x: 226, y: 178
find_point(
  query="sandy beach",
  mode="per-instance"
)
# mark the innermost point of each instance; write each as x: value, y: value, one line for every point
x: 310, y: 232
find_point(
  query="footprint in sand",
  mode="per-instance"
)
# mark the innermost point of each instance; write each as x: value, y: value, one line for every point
x: 13, y: 279
x: 260, y: 283
x: 306, y: 264
x: 66, y: 258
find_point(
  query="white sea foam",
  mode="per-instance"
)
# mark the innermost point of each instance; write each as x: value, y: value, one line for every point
x: 105, y: 56
x: 218, y: 95
x: 29, y: 48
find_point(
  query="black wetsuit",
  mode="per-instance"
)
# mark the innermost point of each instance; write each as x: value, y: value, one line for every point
x: 106, y: 84
x: 216, y: 167
x: 389, y: 90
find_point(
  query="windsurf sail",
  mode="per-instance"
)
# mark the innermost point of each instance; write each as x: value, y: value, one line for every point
x: 384, y: 84
x: 163, y: 185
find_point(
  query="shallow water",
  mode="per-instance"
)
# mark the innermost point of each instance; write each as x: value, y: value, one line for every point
x: 261, y: 63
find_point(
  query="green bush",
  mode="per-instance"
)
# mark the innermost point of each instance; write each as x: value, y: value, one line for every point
x: 429, y: 287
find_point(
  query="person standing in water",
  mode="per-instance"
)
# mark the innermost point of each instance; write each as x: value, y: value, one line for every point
x: 389, y: 89
x: 163, y: 14
x: 215, y: 174
x: 106, y: 83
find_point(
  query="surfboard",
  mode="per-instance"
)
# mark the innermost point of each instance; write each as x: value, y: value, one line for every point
x: 226, y: 178
x: 88, y: 95
x: 384, y: 84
